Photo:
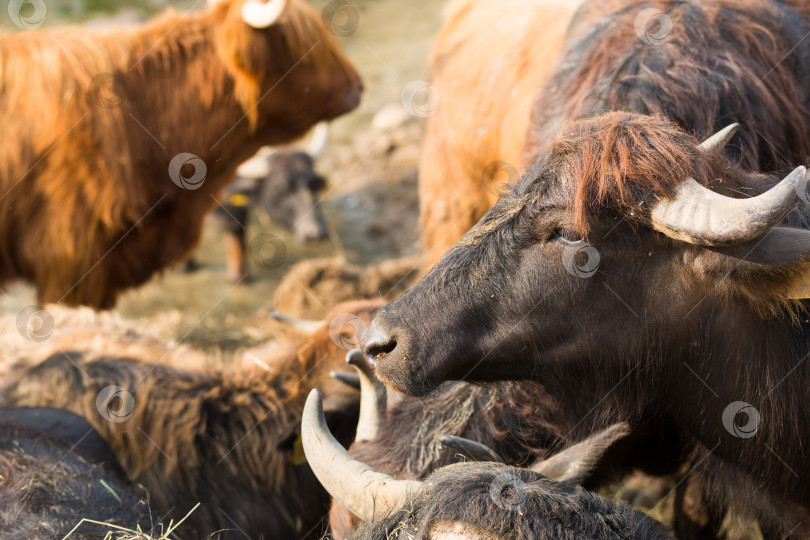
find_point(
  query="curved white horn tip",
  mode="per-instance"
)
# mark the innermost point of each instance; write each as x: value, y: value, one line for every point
x: 318, y: 140
x: 355, y: 357
x: 721, y: 138
x: 800, y: 170
x: 314, y: 403
x: 795, y: 181
x: 261, y: 15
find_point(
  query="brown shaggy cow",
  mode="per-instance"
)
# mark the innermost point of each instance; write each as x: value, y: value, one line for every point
x: 115, y: 144
x: 725, y: 61
x: 222, y: 437
x: 487, y: 64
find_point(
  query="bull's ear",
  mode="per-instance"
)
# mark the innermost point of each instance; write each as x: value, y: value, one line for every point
x: 781, y: 250
x: 574, y: 464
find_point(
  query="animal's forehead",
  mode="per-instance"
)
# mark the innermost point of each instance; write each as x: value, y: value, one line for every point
x: 500, y: 215
x: 537, y: 190
x: 541, y: 187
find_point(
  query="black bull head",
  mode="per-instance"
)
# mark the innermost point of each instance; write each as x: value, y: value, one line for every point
x: 528, y: 293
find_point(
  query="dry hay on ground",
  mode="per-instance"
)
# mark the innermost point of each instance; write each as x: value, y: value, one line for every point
x: 311, y: 288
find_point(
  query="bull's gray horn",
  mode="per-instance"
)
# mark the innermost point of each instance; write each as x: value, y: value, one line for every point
x: 719, y: 140
x: 372, y: 398
x: 368, y: 494
x: 263, y: 14
x: 317, y: 142
x: 700, y: 216
x: 349, y: 379
x: 303, y: 325
x: 472, y: 450
x: 575, y: 463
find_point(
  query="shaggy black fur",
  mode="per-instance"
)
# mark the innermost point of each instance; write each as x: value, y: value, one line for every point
x: 488, y: 500
x: 46, y: 489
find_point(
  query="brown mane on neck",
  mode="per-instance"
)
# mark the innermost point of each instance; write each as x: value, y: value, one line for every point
x: 724, y: 62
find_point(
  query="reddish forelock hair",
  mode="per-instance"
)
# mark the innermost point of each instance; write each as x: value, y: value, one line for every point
x: 623, y: 161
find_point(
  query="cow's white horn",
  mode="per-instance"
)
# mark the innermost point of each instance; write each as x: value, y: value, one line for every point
x: 261, y: 15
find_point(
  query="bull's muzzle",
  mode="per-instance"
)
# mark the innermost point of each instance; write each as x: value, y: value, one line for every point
x: 378, y: 342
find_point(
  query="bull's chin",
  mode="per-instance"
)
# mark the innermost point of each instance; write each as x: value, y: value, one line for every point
x: 405, y: 377
x: 412, y: 374
x: 405, y: 386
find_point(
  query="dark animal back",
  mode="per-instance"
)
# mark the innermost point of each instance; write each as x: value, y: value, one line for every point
x: 67, y: 427
x: 47, y: 489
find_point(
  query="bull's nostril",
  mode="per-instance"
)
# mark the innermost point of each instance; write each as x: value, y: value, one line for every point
x: 378, y: 341
x: 375, y: 353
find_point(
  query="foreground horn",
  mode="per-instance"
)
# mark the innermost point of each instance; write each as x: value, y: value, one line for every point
x: 261, y: 15
x: 367, y: 493
x: 575, y: 463
x: 700, y: 216
x: 372, y: 398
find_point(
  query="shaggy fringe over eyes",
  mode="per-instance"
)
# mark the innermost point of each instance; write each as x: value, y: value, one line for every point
x: 621, y: 163
x: 619, y: 160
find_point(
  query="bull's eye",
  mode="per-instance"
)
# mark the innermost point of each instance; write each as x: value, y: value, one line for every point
x: 567, y: 235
